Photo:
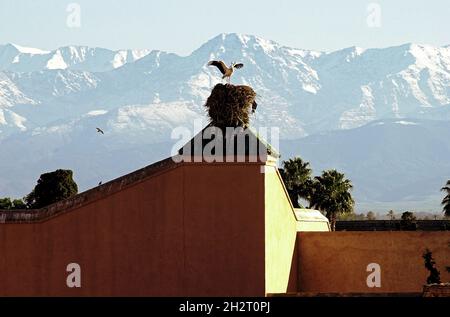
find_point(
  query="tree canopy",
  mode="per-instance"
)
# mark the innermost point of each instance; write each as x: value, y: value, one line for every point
x: 408, y: 221
x: 51, y: 188
x: 296, y: 175
x: 11, y: 204
x: 331, y: 194
x: 371, y: 216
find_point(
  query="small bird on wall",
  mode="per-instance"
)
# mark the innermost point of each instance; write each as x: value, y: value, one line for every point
x: 226, y: 71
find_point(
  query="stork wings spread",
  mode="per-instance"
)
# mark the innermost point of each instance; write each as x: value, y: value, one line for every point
x: 240, y: 65
x: 220, y: 65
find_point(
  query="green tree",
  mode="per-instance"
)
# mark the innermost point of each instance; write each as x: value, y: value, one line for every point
x: 296, y: 175
x: 51, y: 188
x: 408, y: 221
x: 446, y: 200
x: 19, y: 204
x: 6, y: 203
x: 331, y: 194
x: 371, y: 216
x: 408, y: 216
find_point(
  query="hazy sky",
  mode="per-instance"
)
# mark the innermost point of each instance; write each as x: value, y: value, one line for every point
x: 180, y: 26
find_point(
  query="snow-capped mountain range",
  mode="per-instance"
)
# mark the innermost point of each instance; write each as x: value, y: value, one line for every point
x: 53, y: 100
x: 24, y: 59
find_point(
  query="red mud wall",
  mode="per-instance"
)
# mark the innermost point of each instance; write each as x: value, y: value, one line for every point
x: 193, y: 230
x: 337, y: 261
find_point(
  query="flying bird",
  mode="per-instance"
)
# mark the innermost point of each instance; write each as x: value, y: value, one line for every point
x: 100, y: 131
x: 226, y: 71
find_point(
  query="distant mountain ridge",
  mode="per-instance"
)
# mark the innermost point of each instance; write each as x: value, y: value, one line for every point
x: 50, y: 101
x: 398, y: 164
x: 304, y: 91
x: 24, y: 59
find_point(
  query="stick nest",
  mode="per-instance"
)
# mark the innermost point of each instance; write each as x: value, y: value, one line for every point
x: 230, y: 105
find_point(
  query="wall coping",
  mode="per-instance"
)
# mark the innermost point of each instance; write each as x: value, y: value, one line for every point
x: 99, y: 192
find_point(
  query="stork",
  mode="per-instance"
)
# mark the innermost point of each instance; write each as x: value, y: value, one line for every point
x: 226, y: 71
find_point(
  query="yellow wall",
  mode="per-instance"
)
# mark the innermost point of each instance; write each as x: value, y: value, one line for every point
x: 280, y: 234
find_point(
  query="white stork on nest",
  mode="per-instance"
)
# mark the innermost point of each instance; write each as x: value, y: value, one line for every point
x: 226, y: 71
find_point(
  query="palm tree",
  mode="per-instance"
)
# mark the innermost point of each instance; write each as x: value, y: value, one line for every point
x: 332, y: 195
x: 391, y: 214
x: 296, y: 175
x: 446, y: 200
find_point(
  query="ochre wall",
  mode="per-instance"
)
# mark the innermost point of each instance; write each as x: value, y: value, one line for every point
x: 280, y: 234
x: 192, y: 230
x: 205, y: 230
x: 337, y: 261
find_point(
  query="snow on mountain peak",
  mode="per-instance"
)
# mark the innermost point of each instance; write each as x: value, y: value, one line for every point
x: 29, y: 50
x: 429, y: 56
x: 348, y: 54
x: 236, y: 41
x: 56, y: 61
x: 266, y: 45
x: 16, y: 58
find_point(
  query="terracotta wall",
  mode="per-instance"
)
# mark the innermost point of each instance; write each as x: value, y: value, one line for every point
x: 221, y: 229
x: 191, y: 230
x: 337, y: 261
